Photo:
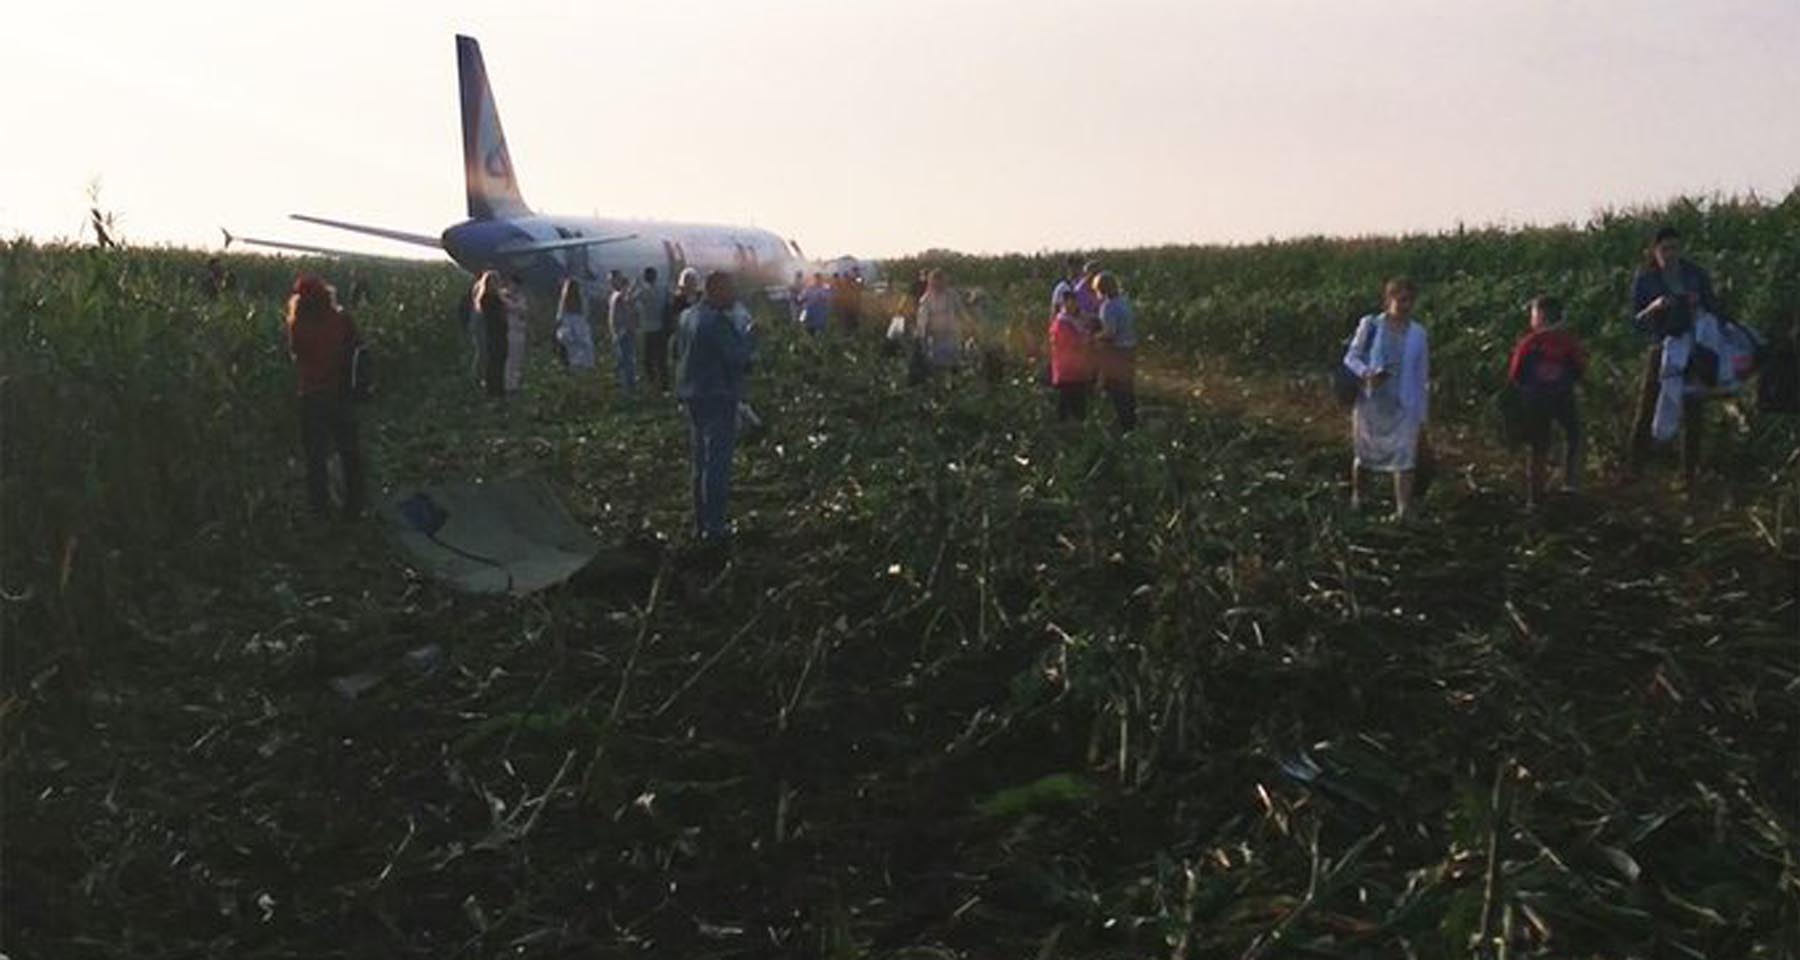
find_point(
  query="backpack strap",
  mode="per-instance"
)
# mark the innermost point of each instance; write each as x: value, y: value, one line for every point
x: 1367, y: 339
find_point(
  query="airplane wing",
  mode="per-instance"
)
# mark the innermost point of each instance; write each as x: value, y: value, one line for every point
x: 418, y: 239
x: 231, y: 238
x: 540, y: 246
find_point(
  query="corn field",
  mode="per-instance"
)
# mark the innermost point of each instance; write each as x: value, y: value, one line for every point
x: 972, y: 684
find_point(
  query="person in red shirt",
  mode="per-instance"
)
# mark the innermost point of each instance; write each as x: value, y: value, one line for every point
x: 1071, y: 358
x: 321, y: 339
x: 1546, y: 365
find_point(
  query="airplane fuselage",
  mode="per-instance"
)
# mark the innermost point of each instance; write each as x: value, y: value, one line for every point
x: 757, y: 257
x: 503, y: 233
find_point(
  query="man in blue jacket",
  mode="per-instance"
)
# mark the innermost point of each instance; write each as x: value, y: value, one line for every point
x: 709, y: 381
x: 1667, y: 293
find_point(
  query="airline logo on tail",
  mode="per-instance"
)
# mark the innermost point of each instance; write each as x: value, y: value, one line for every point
x: 487, y: 166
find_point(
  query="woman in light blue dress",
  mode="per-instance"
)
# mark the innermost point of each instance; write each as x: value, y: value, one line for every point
x: 1392, y: 355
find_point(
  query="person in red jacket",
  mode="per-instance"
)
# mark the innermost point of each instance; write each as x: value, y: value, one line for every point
x: 1546, y: 365
x: 1071, y: 358
x: 321, y: 339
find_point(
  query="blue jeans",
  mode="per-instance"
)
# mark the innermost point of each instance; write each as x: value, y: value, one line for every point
x: 626, y: 346
x: 714, y: 428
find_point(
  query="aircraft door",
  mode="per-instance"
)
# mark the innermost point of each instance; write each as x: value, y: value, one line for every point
x: 577, y: 261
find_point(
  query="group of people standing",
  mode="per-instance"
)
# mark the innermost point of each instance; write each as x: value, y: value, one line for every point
x: 1093, y: 343
x: 1695, y: 353
x: 1385, y: 375
x: 638, y: 317
x: 637, y: 311
x: 816, y: 302
x: 708, y: 333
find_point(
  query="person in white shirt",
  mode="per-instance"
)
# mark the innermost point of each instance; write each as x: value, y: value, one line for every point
x: 573, y: 334
x: 622, y: 322
x: 1392, y: 355
x: 1066, y: 283
x: 939, y: 326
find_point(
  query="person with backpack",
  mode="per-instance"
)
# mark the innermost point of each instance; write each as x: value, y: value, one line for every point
x: 1546, y: 365
x: 1117, y: 338
x: 652, y: 305
x: 322, y: 341
x: 713, y: 358
x: 1667, y: 293
x: 1391, y: 357
x: 574, y: 337
x: 1071, y: 359
x: 622, y: 322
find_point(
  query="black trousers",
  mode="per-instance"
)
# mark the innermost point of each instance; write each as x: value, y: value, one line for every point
x: 1119, y: 379
x: 493, y: 374
x: 656, y: 358
x: 1072, y: 401
x: 328, y: 426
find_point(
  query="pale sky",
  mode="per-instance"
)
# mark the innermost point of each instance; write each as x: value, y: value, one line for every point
x: 881, y: 128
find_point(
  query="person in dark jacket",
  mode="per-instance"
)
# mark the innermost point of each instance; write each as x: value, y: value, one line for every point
x: 1666, y: 294
x: 653, y: 319
x: 713, y: 358
x: 491, y: 306
x: 1546, y: 365
x: 321, y: 340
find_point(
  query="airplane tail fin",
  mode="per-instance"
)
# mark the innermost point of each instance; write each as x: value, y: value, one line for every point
x: 487, y: 167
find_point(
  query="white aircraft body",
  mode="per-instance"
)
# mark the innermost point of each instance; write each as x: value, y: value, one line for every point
x: 504, y: 234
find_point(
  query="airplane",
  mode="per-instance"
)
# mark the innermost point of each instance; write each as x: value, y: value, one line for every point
x: 503, y: 233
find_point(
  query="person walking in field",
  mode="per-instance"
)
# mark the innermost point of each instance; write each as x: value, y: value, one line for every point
x: 622, y: 322
x: 853, y: 299
x: 469, y: 319
x: 322, y: 340
x: 652, y: 307
x: 1087, y: 296
x: 714, y: 358
x: 687, y: 296
x: 1546, y: 365
x: 1392, y: 356
x: 1071, y: 359
x: 815, y: 305
x: 491, y: 311
x: 573, y: 334
x: 1065, y: 283
x: 939, y: 326
x: 518, y: 314
x: 915, y: 292
x: 1117, y: 339
x: 1667, y: 294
